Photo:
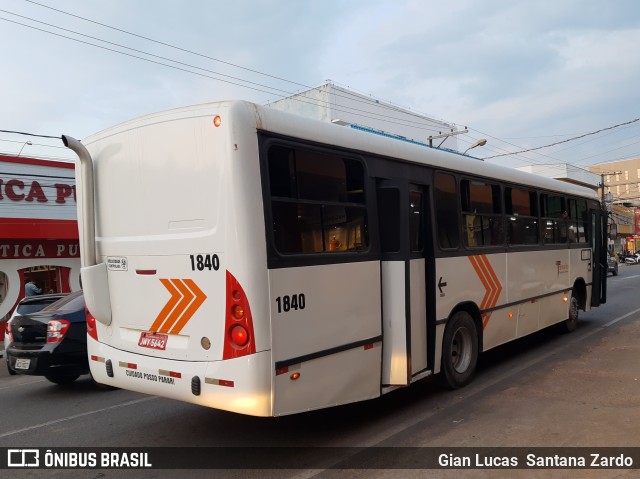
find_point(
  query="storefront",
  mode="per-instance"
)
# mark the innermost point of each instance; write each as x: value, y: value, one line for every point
x: 38, y: 230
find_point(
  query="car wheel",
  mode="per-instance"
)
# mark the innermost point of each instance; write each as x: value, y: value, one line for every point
x: 11, y: 371
x: 62, y: 380
x: 459, y: 350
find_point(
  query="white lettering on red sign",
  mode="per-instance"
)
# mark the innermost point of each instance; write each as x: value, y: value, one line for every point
x: 41, y: 249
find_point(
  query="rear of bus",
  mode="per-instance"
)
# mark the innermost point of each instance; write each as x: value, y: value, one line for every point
x: 177, y: 293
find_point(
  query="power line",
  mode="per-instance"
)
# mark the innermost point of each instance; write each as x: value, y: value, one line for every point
x: 30, y: 134
x: 168, y: 44
x: 314, y: 101
x: 351, y: 96
x: 565, y: 141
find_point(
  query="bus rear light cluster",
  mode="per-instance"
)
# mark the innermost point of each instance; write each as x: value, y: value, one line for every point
x: 56, y: 329
x: 91, y: 325
x: 238, y: 340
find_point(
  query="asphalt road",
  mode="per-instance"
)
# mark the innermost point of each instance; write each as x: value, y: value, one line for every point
x: 548, y: 390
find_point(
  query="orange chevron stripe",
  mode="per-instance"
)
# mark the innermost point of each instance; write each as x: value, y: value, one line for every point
x: 186, y: 298
x: 175, y: 297
x: 199, y: 298
x: 497, y: 287
x: 483, y: 278
x: 491, y: 283
x: 175, y: 315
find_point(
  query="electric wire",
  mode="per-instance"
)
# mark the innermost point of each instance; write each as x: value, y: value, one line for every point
x: 403, y: 122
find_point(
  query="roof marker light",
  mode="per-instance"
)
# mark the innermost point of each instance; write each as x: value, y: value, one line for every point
x: 217, y: 121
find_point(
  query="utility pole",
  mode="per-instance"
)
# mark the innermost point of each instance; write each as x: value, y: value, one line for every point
x: 602, y: 185
x: 603, y: 204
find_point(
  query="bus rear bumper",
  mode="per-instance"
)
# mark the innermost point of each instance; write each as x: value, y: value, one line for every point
x: 241, y: 385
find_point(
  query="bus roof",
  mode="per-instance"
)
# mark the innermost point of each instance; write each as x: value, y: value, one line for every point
x: 275, y: 121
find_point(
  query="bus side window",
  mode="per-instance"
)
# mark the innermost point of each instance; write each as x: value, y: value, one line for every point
x: 446, y: 204
x: 482, y: 213
x: 579, y: 215
x: 317, y: 202
x: 554, y: 214
x: 522, y: 216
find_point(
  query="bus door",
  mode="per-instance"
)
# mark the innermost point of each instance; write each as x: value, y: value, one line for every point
x: 599, y: 257
x: 402, y: 227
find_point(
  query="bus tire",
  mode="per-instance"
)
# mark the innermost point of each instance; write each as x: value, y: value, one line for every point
x: 571, y: 323
x: 459, y: 351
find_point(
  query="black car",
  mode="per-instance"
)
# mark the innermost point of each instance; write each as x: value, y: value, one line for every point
x: 30, y: 304
x: 51, y: 342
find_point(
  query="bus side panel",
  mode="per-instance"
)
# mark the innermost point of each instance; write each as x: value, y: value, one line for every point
x: 481, y: 280
x: 341, y: 378
x: 325, y: 334
x: 555, y: 271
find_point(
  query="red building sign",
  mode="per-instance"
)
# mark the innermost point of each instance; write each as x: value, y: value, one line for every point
x: 38, y: 229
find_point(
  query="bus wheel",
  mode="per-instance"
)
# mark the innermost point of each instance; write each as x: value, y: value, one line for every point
x: 572, y: 322
x: 459, y: 350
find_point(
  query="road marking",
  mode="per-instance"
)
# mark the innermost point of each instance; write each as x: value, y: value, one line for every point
x: 23, y: 384
x: 630, y: 277
x: 621, y: 318
x: 76, y: 416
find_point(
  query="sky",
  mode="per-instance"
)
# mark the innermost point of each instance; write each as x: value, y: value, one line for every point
x: 522, y: 75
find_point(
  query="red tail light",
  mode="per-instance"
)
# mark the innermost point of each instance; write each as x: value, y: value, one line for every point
x: 91, y: 325
x: 238, y: 338
x: 7, y: 332
x: 56, y: 329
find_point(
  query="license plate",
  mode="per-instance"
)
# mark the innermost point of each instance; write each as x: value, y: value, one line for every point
x: 153, y: 340
x: 22, y: 363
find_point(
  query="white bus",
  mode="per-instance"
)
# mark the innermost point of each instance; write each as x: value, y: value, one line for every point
x: 250, y: 260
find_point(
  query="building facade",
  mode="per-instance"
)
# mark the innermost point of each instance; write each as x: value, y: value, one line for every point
x: 342, y: 106
x: 621, y: 180
x: 38, y: 229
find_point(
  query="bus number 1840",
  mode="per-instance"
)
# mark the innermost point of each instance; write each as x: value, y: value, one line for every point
x: 205, y: 261
x: 287, y: 303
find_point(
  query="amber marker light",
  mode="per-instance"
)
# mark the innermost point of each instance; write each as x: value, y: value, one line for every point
x: 565, y: 299
x: 237, y: 311
x: 294, y: 376
x: 217, y: 121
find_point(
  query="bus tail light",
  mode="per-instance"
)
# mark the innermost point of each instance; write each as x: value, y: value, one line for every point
x: 238, y: 337
x: 91, y: 325
x: 56, y: 329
